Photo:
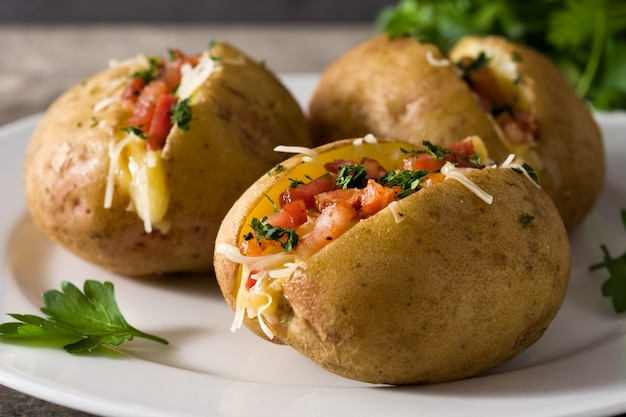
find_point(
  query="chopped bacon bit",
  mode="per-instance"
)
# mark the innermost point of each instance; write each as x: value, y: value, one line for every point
x: 334, y: 166
x: 144, y: 109
x: 161, y: 122
x: 373, y: 168
x: 375, y: 197
x: 308, y: 191
x: 131, y: 93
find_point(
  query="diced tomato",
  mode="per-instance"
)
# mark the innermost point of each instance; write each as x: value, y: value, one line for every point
x: 257, y: 247
x: 291, y: 216
x: 142, y: 114
x: 331, y: 223
x: 349, y: 196
x: 307, y: 192
x: 131, y: 93
x: 250, y: 281
x: 424, y: 161
x: 375, y: 197
x: 161, y: 122
x: 432, y: 179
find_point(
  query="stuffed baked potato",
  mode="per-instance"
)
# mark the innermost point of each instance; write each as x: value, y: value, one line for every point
x: 438, y: 269
x: 509, y: 95
x: 135, y: 168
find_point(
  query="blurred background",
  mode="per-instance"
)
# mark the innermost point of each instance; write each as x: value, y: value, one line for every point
x: 47, y: 46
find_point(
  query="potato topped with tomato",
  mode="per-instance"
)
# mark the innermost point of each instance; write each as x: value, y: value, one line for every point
x: 386, y: 262
x: 134, y: 168
x: 508, y: 94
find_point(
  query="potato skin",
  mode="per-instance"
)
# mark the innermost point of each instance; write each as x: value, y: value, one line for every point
x: 239, y: 115
x: 388, y: 87
x: 456, y: 288
x: 570, y: 145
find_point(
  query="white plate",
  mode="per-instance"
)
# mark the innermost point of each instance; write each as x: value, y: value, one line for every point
x: 577, y: 368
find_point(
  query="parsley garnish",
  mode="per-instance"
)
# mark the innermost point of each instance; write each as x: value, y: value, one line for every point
x: 91, y: 318
x: 529, y: 170
x: 407, y: 180
x: 615, y: 285
x: 267, y: 231
x: 351, y: 176
x: 181, y: 114
x: 134, y: 131
x: 275, y: 170
x: 526, y: 219
x: 212, y: 45
x: 481, y: 61
x: 435, y: 150
x: 149, y: 73
x: 295, y: 182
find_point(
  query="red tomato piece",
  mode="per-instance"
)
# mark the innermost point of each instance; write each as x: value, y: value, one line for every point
x: 291, y: 216
x: 131, y: 93
x: 349, y: 196
x: 307, y: 192
x: 375, y: 197
x: 142, y: 114
x: 161, y: 122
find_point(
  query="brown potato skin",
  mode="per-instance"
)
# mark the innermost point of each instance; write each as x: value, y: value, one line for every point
x: 570, y: 144
x: 239, y: 115
x: 387, y: 87
x: 456, y: 288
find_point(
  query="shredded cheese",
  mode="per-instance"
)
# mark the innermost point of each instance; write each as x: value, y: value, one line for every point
x: 518, y: 164
x: 450, y: 171
x: 104, y: 103
x: 193, y: 77
x: 297, y: 149
x: 443, y: 62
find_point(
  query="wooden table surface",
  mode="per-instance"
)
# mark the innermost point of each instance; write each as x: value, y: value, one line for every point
x: 37, y: 63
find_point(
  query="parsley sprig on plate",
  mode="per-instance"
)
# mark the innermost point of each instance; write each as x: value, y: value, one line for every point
x: 615, y: 285
x: 92, y: 319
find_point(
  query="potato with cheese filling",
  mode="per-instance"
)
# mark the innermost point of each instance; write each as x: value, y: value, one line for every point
x: 134, y: 168
x: 390, y: 263
x: 508, y: 94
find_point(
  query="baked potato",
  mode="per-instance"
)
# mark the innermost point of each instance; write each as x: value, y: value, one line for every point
x: 134, y: 168
x: 509, y: 95
x: 437, y: 269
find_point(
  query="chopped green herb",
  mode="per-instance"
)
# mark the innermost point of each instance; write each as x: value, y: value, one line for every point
x: 274, y: 206
x: 474, y: 159
x: 481, y: 61
x: 615, y: 285
x: 529, y: 170
x: 79, y: 124
x: 212, y: 45
x: 264, y: 230
x: 92, y: 317
x: 94, y: 121
x: 275, y: 170
x: 351, y: 176
x: 181, y: 114
x: 149, y: 73
x: 526, y: 219
x: 132, y: 130
x: 295, y: 182
x: 407, y: 180
x: 435, y: 150
x: 516, y: 57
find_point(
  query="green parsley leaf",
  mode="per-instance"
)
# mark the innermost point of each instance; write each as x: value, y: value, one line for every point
x: 264, y: 230
x: 526, y: 219
x: 435, y: 150
x: 134, y: 131
x: 92, y: 317
x: 181, y: 114
x: 149, y: 73
x: 275, y: 170
x: 295, y: 182
x: 351, y: 176
x: 615, y: 285
x: 407, y: 180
